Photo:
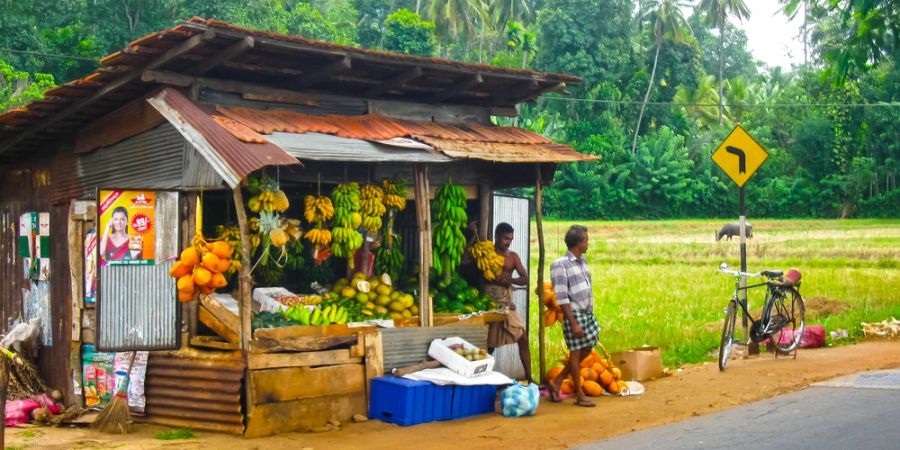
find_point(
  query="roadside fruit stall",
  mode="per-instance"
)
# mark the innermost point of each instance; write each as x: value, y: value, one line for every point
x: 308, y: 202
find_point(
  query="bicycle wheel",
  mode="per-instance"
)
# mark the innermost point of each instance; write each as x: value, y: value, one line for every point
x: 727, y: 343
x: 791, y: 306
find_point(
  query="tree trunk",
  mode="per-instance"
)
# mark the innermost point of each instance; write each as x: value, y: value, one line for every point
x: 637, y: 128
x: 721, y: 62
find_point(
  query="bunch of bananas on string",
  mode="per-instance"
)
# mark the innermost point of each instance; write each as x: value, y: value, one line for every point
x: 449, y: 208
x: 320, y: 237
x: 394, y: 193
x: 489, y: 262
x: 347, y: 219
x: 267, y: 195
x: 317, y: 208
x: 390, y: 260
x: 372, y: 208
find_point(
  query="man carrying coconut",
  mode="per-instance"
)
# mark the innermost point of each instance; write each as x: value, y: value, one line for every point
x: 572, y: 285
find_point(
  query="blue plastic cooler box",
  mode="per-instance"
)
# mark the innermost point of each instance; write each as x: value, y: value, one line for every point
x: 473, y: 400
x: 407, y: 402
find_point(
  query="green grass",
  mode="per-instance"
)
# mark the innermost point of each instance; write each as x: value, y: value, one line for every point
x: 656, y: 283
x: 171, y: 435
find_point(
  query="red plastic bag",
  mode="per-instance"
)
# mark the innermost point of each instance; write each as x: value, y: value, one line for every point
x: 19, y: 411
x: 813, y: 336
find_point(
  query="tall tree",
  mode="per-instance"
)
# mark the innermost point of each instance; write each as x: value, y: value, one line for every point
x: 717, y: 12
x: 668, y: 24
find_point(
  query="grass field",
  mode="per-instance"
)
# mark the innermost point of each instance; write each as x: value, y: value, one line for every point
x: 657, y: 283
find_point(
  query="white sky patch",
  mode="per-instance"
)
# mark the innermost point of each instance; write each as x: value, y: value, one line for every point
x: 772, y: 38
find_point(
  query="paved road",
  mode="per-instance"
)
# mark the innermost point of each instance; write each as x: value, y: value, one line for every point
x: 861, y: 411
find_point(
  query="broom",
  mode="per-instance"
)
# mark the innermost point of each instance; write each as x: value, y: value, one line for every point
x: 115, y: 417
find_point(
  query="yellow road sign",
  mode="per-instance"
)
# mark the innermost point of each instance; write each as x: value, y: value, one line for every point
x: 740, y: 156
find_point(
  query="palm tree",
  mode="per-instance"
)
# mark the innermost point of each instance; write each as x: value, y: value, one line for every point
x: 452, y: 17
x: 669, y: 24
x: 504, y: 11
x: 699, y: 103
x: 717, y: 11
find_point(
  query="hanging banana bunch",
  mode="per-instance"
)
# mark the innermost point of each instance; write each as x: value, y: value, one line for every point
x: 489, y: 262
x: 347, y: 219
x: 389, y: 259
x: 372, y: 208
x: 267, y: 195
x: 316, y: 210
x: 449, y: 209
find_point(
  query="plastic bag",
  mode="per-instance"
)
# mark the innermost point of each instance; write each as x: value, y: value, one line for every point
x: 19, y: 411
x: 813, y: 336
x: 518, y: 400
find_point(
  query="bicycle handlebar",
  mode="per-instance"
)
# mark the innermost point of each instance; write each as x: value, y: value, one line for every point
x: 724, y: 269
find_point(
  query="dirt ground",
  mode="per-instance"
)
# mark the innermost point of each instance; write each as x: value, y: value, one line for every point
x: 693, y: 391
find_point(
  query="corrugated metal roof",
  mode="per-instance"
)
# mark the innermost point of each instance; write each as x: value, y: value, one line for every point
x: 325, y: 147
x: 232, y: 159
x: 470, y: 140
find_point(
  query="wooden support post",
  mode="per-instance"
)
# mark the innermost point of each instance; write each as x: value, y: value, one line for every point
x: 244, y: 300
x: 4, y: 378
x: 538, y: 213
x: 485, y: 200
x: 188, y: 226
x: 423, y: 217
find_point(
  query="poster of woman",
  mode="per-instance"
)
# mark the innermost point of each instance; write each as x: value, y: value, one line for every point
x: 126, y: 231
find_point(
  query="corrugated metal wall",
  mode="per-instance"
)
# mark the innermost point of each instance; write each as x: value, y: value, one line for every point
x: 406, y: 346
x: 516, y: 212
x: 137, y: 308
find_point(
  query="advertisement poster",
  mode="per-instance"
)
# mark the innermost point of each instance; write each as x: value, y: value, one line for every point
x: 90, y: 266
x: 127, y: 227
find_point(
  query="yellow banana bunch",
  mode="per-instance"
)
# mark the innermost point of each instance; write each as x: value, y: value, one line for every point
x: 394, y: 194
x: 317, y: 208
x: 318, y: 236
x: 269, y: 201
x: 254, y: 204
x: 291, y: 227
x: 489, y: 262
x: 372, y: 208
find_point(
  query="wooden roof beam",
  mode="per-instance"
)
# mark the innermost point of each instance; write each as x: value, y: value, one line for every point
x: 457, y: 88
x: 395, y: 82
x: 335, y: 67
x: 233, y: 51
x: 171, y: 54
x: 556, y: 87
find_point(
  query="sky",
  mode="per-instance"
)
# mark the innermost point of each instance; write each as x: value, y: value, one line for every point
x: 771, y: 37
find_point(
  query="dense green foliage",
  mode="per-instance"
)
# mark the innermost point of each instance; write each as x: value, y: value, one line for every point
x: 660, y: 91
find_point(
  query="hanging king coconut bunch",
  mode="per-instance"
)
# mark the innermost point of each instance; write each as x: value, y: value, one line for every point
x: 372, y: 208
x: 201, y: 268
x: 347, y: 219
x: 449, y: 209
x: 489, y: 262
x: 389, y: 258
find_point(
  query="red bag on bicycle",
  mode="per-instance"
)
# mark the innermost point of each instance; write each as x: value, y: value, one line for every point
x: 813, y: 336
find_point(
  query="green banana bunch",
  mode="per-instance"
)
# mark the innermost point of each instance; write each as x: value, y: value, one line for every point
x: 390, y: 260
x: 294, y: 255
x: 344, y: 235
x: 449, y: 209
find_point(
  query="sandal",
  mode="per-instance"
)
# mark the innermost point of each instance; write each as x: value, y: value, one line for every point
x: 585, y: 403
x: 554, y: 393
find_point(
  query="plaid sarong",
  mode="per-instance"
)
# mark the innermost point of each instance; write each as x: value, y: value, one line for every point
x: 589, y: 325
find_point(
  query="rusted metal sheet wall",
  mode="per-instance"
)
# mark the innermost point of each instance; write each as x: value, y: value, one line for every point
x: 27, y: 188
x: 151, y: 160
x: 201, y: 391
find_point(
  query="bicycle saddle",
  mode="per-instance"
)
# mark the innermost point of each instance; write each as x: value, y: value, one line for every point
x: 772, y: 273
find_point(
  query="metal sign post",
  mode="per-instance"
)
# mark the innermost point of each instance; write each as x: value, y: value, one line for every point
x: 740, y: 156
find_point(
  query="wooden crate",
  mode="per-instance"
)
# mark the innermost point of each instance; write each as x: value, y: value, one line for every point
x: 303, y: 377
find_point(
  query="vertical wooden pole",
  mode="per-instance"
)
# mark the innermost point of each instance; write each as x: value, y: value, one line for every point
x: 484, y: 211
x: 245, y: 281
x: 538, y: 213
x: 4, y: 378
x: 423, y: 216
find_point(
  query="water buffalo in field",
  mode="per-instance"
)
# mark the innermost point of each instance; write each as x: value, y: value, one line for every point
x: 734, y: 229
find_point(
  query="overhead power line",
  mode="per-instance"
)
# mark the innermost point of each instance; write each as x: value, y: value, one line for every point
x: 757, y: 105
x: 48, y: 55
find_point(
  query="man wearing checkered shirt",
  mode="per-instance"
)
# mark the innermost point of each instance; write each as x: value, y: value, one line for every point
x: 572, y: 285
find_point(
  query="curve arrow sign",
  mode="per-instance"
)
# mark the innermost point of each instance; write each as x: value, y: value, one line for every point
x: 742, y: 158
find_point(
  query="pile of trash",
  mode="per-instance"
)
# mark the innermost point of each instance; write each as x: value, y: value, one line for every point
x: 885, y: 328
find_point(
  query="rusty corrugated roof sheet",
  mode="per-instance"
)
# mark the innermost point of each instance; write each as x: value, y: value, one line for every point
x: 471, y: 140
x: 232, y: 158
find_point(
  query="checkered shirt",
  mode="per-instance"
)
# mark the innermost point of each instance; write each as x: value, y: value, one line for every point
x: 572, y: 282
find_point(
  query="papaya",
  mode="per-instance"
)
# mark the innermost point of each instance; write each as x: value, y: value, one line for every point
x: 598, y: 368
x: 185, y: 283
x: 606, y: 378
x: 185, y: 297
x: 592, y: 389
x: 614, y: 388
x: 210, y: 262
x: 588, y: 361
x: 588, y: 374
x: 567, y: 387
x: 179, y: 270
x: 554, y: 372
x: 190, y: 257
x: 201, y: 276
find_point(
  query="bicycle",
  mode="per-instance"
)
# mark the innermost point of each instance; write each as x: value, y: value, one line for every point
x: 783, y: 314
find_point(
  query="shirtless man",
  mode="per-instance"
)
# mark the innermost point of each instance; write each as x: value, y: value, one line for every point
x: 513, y: 328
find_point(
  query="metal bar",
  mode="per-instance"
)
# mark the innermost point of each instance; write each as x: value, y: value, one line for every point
x: 169, y: 55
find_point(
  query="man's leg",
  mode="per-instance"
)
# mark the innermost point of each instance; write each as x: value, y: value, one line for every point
x: 575, y: 357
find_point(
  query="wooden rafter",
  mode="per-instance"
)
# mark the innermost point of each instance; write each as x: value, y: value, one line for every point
x: 341, y: 65
x: 395, y: 82
x: 171, y: 54
x: 539, y: 92
x: 229, y: 53
x: 457, y: 88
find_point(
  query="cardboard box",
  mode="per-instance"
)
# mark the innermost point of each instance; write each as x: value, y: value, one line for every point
x: 639, y: 364
x: 440, y: 350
